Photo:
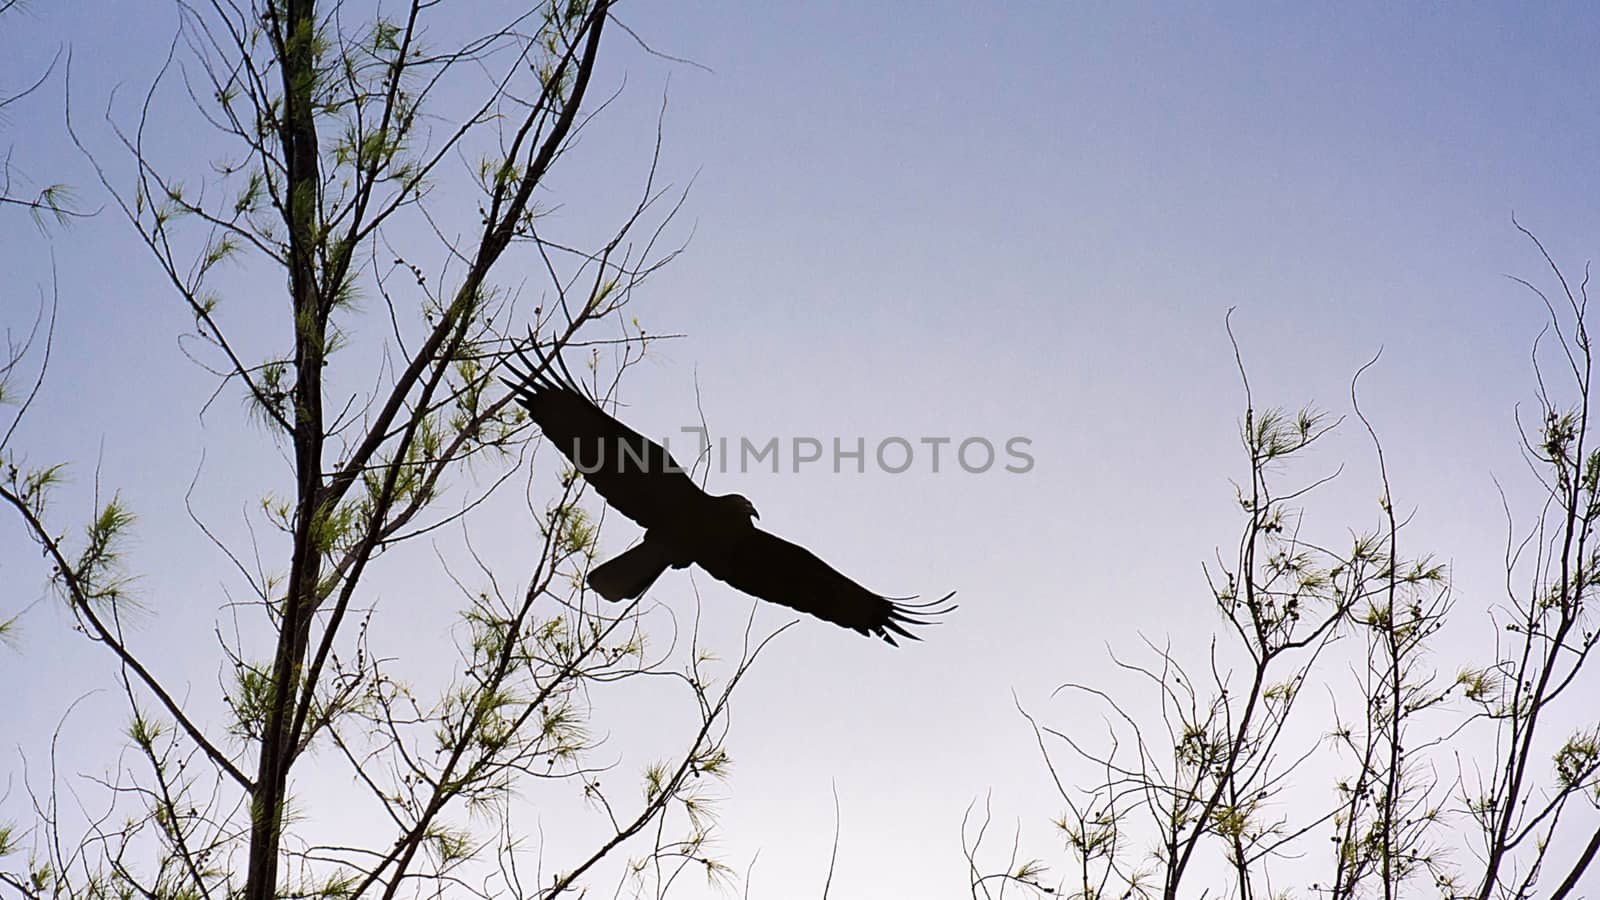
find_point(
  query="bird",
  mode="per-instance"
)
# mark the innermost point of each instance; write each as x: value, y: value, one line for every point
x: 686, y: 526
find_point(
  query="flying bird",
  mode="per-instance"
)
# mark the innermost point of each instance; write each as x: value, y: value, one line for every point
x: 684, y: 525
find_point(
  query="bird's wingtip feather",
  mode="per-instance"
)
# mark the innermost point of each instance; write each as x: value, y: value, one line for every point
x: 905, y: 614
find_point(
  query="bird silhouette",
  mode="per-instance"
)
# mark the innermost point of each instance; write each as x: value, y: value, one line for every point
x: 684, y: 525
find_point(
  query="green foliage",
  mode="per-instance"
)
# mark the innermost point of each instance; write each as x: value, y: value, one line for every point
x: 1273, y: 434
x: 250, y: 699
x: 143, y: 732
x: 1578, y: 760
x: 32, y: 486
x: 98, y: 575
x: 575, y: 531
x: 452, y: 845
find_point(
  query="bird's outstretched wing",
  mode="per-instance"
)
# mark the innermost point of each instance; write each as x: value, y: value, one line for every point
x: 633, y: 473
x: 776, y: 570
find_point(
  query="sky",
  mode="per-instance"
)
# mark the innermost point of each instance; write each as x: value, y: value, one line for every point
x: 943, y: 220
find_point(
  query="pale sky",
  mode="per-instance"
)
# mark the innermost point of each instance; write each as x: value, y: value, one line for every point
x: 921, y: 220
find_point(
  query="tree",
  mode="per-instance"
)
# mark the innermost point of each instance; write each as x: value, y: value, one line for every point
x: 344, y: 127
x: 50, y: 201
x: 1319, y: 744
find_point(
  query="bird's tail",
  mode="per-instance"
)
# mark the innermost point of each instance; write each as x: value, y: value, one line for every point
x: 630, y: 574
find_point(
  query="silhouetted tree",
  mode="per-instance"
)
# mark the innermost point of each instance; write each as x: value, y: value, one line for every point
x: 1321, y: 743
x: 339, y: 145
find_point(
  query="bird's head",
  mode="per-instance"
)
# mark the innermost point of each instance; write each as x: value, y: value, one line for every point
x: 741, y: 503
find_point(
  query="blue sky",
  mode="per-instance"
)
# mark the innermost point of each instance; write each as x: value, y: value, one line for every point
x: 939, y: 220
